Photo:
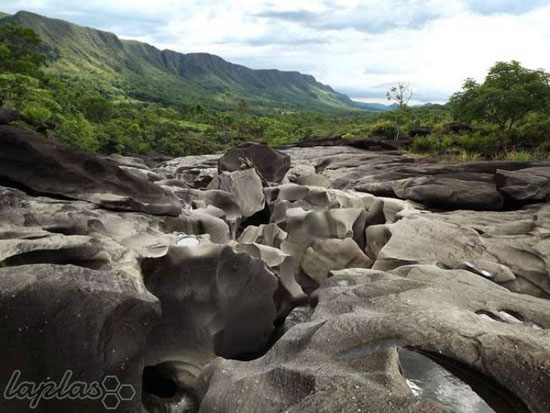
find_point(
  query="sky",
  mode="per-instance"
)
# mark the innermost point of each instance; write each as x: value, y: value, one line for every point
x: 359, y: 47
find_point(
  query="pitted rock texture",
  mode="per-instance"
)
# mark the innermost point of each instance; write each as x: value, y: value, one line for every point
x: 344, y: 357
x: 233, y: 292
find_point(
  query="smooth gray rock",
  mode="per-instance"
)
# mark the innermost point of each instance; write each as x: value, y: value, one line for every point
x: 33, y: 163
x: 438, y: 283
x: 59, y: 318
x: 313, y: 180
x: 269, y: 234
x: 447, y: 186
x: 215, y: 302
x: 344, y: 356
x: 271, y: 164
x: 332, y: 254
x: 224, y: 200
x: 525, y: 185
x: 448, y: 193
x: 246, y: 187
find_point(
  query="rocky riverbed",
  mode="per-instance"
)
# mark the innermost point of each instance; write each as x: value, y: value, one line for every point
x: 311, y: 279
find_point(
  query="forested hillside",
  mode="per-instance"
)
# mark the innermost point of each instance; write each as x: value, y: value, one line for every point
x: 90, y: 89
x: 131, y: 69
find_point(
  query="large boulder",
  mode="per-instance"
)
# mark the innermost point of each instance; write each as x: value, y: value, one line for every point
x: 271, y: 164
x: 35, y: 164
x: 525, y: 185
x: 421, y: 239
x: 246, y: 188
x: 63, y: 318
x: 449, y: 193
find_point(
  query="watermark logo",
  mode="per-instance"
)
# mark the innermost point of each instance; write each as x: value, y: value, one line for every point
x: 110, y: 391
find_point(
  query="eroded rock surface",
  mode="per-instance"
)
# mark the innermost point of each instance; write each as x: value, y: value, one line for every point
x: 59, y: 318
x: 299, y: 291
x: 344, y: 358
x: 271, y: 164
x: 32, y: 162
x: 214, y: 300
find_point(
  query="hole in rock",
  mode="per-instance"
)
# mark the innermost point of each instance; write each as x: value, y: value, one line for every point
x: 66, y: 230
x: 298, y: 315
x: 454, y: 384
x: 487, y: 315
x: 511, y: 316
x: 162, y: 394
x: 514, y: 317
x: 156, y: 381
x: 479, y: 271
x: 59, y: 257
x: 259, y: 218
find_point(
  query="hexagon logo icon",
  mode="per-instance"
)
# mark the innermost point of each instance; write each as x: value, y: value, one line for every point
x: 110, y: 384
x: 110, y: 401
x: 126, y: 392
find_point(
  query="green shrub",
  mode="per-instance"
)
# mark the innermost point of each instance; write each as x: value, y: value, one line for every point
x: 466, y: 156
x: 535, y: 129
x: 525, y: 156
x: 75, y: 129
x: 36, y: 112
x: 383, y: 128
x: 426, y: 144
x: 476, y: 142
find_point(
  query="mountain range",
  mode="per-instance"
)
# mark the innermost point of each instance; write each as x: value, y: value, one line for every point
x: 136, y: 70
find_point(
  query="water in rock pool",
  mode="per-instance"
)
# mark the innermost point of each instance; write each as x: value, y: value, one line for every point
x: 428, y: 379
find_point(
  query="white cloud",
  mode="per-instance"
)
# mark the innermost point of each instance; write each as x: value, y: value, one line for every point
x: 357, y: 46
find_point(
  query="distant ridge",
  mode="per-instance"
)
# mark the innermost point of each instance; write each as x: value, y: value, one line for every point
x: 377, y: 106
x: 141, y: 71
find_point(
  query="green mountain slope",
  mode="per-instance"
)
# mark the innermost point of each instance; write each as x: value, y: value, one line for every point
x: 141, y: 71
x: 2, y: 15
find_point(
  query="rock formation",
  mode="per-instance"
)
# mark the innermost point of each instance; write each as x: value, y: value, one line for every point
x: 272, y: 165
x: 313, y: 279
x: 34, y: 163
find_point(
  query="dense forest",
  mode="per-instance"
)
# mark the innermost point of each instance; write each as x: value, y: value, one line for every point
x: 506, y: 116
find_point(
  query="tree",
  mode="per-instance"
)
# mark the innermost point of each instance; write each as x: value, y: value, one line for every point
x: 243, y: 106
x: 96, y: 108
x: 17, y: 90
x: 509, y: 93
x: 401, y: 94
x: 227, y: 100
x: 20, y: 50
